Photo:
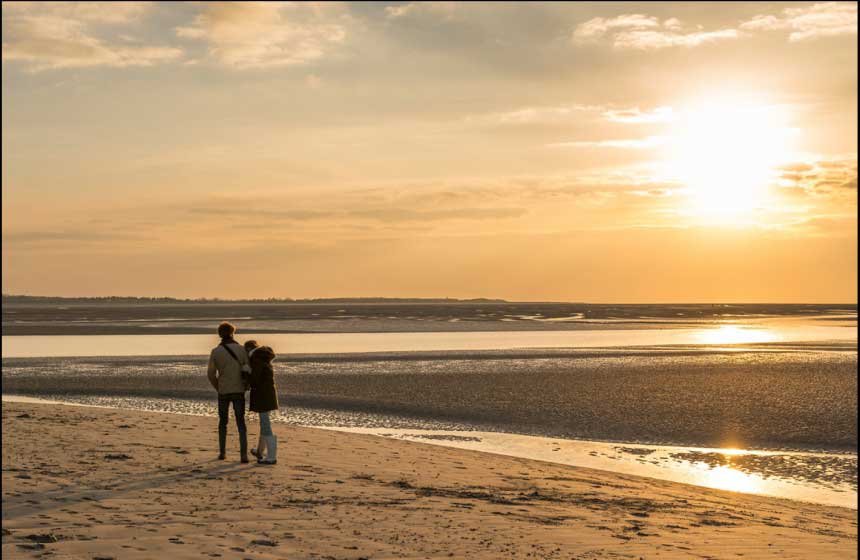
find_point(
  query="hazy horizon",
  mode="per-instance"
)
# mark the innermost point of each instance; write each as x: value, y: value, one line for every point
x: 287, y: 299
x: 586, y: 152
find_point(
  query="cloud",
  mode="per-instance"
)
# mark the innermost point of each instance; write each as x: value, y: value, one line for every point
x: 375, y: 212
x: 290, y: 215
x: 659, y: 193
x: 828, y: 19
x: 76, y: 236
x: 598, y: 27
x: 268, y: 34
x: 516, y: 203
x: 642, y: 32
x: 637, y: 116
x: 643, y: 39
x: 535, y: 115
x: 411, y: 215
x: 797, y: 167
x: 553, y: 114
x: 394, y: 12
x: 99, y: 12
x: 823, y: 177
x: 631, y: 143
x: 441, y: 9
x: 54, y: 35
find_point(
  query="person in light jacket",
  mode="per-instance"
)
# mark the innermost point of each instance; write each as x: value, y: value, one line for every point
x: 225, y: 375
x: 264, y: 399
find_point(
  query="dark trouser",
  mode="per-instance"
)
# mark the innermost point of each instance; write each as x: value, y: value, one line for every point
x: 238, y: 400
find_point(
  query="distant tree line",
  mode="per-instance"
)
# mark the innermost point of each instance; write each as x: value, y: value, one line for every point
x: 13, y: 298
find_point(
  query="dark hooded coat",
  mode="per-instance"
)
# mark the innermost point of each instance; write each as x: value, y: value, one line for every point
x: 264, y: 394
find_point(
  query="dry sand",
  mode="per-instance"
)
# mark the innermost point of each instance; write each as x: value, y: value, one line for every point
x: 98, y: 483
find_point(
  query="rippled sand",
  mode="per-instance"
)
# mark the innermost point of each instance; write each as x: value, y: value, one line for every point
x: 137, y: 485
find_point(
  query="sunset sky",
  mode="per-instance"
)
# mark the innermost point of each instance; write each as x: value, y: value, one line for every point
x: 606, y: 152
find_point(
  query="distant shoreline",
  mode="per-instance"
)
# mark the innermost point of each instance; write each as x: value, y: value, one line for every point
x: 136, y: 300
x: 9, y: 298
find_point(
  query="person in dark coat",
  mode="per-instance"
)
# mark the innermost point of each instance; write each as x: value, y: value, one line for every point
x: 264, y: 399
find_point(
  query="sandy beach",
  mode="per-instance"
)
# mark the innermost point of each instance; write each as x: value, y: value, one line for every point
x: 83, y: 482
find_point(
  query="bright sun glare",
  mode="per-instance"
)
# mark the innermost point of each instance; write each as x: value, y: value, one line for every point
x: 727, y: 478
x: 726, y: 152
x: 730, y: 334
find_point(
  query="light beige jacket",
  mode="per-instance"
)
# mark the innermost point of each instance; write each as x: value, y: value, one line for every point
x: 225, y: 373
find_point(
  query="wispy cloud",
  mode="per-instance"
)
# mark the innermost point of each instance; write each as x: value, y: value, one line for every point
x: 268, y: 34
x: 65, y: 237
x: 647, y: 39
x: 643, y: 32
x: 99, y: 12
x: 440, y: 9
x: 821, y: 177
x: 828, y: 19
x: 550, y: 114
x: 637, y: 116
x: 386, y: 213
x: 627, y: 143
x: 54, y: 35
x: 598, y: 27
x: 536, y: 115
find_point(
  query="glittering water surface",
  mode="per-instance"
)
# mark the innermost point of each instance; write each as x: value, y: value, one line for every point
x: 326, y: 343
x: 814, y: 477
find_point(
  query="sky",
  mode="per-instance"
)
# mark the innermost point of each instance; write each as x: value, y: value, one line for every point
x: 599, y: 152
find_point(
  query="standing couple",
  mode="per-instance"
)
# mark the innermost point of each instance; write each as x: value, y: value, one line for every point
x: 233, y: 369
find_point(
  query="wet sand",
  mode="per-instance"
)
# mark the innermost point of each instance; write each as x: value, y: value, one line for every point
x: 200, y: 318
x: 85, y: 483
x: 815, y: 477
x: 671, y: 396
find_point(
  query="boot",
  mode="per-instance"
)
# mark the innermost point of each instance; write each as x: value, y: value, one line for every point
x: 222, y: 443
x: 261, y: 447
x: 271, y: 450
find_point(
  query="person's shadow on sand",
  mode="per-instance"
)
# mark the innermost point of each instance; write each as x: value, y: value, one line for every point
x: 30, y: 503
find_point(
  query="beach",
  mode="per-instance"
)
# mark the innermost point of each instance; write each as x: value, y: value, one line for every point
x: 504, y: 430
x: 527, y: 280
x: 83, y: 482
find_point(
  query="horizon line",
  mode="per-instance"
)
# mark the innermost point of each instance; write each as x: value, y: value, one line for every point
x: 415, y: 299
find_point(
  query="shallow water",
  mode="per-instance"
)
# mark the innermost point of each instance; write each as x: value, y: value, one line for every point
x: 775, y: 331
x: 811, y: 477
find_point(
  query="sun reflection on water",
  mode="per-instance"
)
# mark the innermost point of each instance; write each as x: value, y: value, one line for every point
x: 727, y: 478
x: 732, y: 334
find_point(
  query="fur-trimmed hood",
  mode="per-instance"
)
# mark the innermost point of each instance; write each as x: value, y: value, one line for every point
x: 263, y: 353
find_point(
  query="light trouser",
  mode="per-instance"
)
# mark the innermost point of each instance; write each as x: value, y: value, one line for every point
x: 268, y: 441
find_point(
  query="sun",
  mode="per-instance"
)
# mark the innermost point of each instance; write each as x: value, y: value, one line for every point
x: 725, y: 152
